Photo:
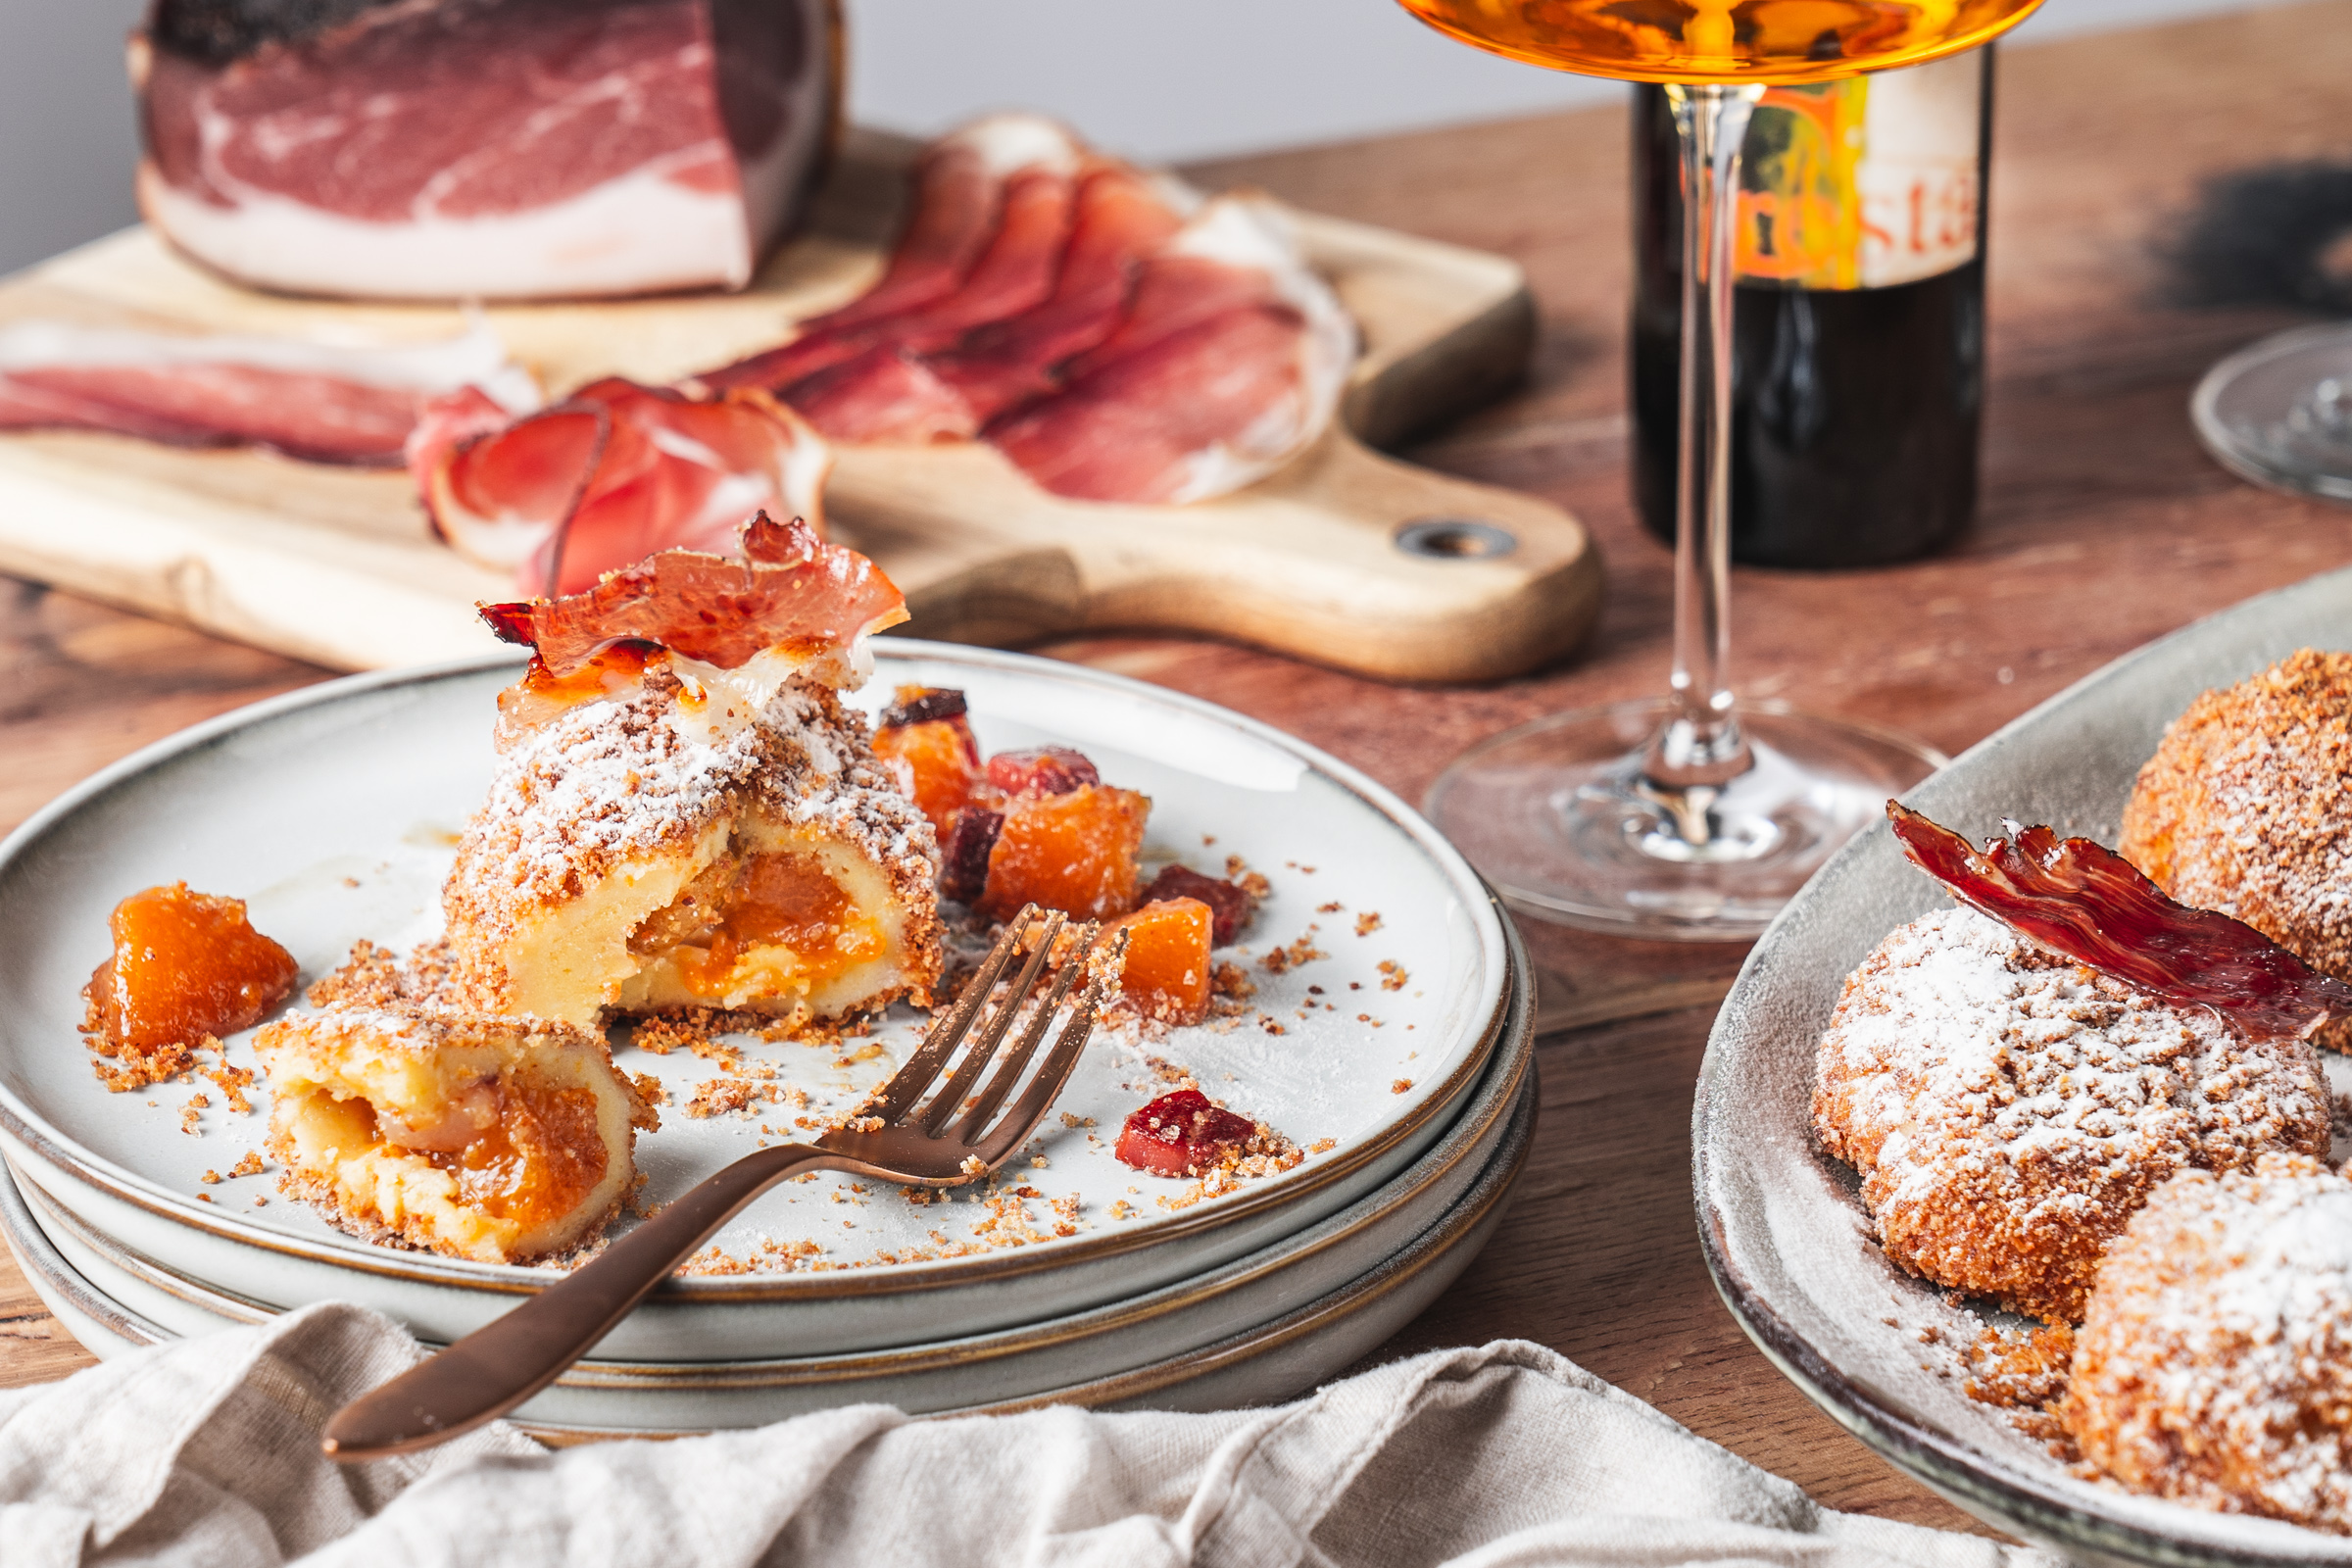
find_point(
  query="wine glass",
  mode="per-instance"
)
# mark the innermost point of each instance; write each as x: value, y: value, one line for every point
x: 1690, y: 817
x: 2280, y: 411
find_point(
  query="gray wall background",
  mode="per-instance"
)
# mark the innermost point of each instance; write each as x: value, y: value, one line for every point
x: 1161, y: 81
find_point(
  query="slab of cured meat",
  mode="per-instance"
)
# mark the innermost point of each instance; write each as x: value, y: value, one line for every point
x: 1114, y: 335
x: 482, y: 149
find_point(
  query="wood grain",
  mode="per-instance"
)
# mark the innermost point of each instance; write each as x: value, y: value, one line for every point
x: 2103, y: 526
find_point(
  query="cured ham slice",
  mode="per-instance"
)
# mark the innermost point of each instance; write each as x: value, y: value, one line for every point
x: 326, y: 403
x: 513, y: 149
x: 610, y: 474
x: 790, y: 590
x: 1232, y: 358
x: 992, y: 214
x: 1123, y: 217
x: 2084, y: 901
x: 890, y: 394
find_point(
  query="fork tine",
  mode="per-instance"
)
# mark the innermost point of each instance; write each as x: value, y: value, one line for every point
x: 1060, y: 1063
x: 1009, y: 1071
x: 991, y: 1035
x: 907, y: 1084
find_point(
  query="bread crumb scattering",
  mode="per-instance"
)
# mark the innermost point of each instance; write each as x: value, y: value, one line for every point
x: 1303, y: 950
x: 1367, y: 922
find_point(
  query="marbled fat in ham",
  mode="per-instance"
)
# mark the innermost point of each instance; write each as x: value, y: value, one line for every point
x: 1113, y: 336
x: 511, y: 149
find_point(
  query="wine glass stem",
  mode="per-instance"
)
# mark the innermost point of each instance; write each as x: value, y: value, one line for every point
x: 1700, y: 749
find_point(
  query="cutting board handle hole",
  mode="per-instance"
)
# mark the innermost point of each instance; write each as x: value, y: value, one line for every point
x: 1455, y: 539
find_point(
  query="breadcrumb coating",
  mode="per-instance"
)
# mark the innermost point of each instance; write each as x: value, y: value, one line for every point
x: 2244, y: 808
x: 2008, y: 1111
x: 2214, y: 1365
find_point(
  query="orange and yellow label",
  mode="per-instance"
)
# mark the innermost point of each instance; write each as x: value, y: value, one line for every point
x: 1864, y: 182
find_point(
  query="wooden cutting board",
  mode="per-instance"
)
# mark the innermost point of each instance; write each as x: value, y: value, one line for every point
x: 1322, y: 560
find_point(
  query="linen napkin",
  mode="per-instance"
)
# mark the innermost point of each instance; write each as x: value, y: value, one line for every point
x: 205, y: 1451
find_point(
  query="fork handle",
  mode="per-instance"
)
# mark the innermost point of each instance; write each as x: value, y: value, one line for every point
x: 512, y: 1358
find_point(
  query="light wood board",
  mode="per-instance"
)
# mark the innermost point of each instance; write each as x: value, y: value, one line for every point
x: 340, y: 565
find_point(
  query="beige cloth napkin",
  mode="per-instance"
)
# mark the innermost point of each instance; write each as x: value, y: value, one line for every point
x: 205, y: 1452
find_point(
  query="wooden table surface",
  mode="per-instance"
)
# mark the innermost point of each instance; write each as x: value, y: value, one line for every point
x: 2118, y: 159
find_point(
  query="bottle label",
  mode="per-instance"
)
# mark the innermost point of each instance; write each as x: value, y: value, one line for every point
x: 1864, y: 182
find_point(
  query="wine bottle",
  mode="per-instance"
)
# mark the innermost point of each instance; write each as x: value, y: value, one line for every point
x: 1858, y: 331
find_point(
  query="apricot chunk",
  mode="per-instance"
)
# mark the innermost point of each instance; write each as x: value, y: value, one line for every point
x: 927, y: 740
x: 1166, y: 976
x: 1074, y: 853
x: 1232, y: 903
x: 185, y: 965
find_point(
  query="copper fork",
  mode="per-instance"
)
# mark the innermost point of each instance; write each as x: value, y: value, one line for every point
x: 502, y: 1363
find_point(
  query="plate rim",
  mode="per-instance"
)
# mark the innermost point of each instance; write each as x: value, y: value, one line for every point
x: 51, y: 1146
x: 1958, y: 1469
x: 1468, y: 1221
x: 1512, y: 1075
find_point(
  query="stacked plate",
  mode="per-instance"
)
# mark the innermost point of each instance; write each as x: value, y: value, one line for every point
x: 1390, y: 1036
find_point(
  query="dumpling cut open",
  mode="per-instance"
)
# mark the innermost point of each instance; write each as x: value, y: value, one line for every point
x: 492, y: 1138
x: 684, y: 812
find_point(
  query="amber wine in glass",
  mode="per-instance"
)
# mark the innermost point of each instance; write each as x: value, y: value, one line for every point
x: 1690, y: 817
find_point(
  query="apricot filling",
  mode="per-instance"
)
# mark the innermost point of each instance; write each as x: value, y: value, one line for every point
x: 782, y: 907
x: 492, y: 1139
x: 186, y: 966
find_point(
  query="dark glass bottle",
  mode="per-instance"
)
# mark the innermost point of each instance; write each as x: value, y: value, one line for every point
x: 1859, y: 369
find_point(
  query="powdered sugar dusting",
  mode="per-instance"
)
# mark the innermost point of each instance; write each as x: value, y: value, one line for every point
x: 2215, y: 1365
x: 2243, y: 810
x: 2008, y: 1111
x: 650, y: 767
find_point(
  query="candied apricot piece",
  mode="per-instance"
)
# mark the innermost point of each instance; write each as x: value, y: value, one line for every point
x: 1181, y: 1134
x: 1074, y: 853
x: 186, y: 965
x: 1232, y: 903
x: 1043, y: 770
x: 1167, y: 959
x: 936, y: 763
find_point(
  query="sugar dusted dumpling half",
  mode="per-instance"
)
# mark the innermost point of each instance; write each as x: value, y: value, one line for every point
x: 684, y: 814
x: 499, y: 1140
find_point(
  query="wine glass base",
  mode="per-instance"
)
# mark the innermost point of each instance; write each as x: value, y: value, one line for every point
x: 2279, y: 412
x: 1556, y: 816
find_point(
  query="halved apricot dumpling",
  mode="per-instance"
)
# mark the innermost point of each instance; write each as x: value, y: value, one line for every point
x: 1074, y: 853
x: 1167, y: 972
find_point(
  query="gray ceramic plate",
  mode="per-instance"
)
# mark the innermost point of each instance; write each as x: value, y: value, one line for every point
x: 1257, y: 1329
x: 1783, y: 1231
x: 332, y: 813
